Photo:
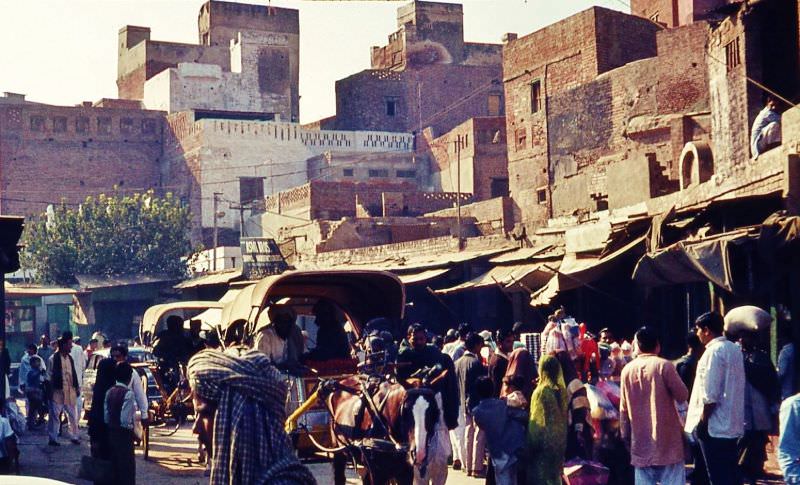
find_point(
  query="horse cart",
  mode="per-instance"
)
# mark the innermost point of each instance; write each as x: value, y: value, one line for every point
x: 339, y: 407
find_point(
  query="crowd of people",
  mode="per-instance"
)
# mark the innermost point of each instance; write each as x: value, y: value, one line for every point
x: 595, y: 405
x: 571, y: 403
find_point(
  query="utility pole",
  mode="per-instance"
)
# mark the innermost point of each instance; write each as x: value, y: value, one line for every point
x: 216, y: 207
x: 458, y: 188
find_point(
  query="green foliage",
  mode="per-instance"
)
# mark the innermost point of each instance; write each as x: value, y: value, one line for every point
x: 109, y: 235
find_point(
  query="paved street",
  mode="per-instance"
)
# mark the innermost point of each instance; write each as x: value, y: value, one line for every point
x: 173, y: 461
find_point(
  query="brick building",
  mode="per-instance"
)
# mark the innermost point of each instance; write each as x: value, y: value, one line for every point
x: 600, y: 124
x: 426, y: 75
x: 483, y: 166
x: 247, y: 60
x: 49, y: 153
x: 674, y: 13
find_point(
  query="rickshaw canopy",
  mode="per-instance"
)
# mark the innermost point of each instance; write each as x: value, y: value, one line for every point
x: 361, y: 294
x: 154, y: 314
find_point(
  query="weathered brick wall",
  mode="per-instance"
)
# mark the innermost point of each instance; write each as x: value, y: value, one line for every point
x: 440, y: 95
x: 49, y: 153
x: 563, y: 57
x: 622, y: 38
x: 493, y: 216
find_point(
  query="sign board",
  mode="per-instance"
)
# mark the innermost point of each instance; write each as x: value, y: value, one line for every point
x: 261, y: 257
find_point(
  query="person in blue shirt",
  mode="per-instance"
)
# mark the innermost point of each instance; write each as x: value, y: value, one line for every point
x: 789, y: 444
x: 33, y: 389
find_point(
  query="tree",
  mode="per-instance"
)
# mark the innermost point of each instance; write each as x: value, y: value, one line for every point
x: 109, y: 235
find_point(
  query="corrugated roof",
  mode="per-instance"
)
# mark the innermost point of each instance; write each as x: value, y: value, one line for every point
x: 96, y: 281
x: 27, y: 291
x: 218, y: 278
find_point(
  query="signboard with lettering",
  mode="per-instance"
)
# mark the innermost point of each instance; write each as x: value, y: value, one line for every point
x: 261, y: 257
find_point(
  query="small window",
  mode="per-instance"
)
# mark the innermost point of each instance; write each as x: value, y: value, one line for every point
x: 536, y: 96
x: 104, y: 125
x: 347, y: 172
x: 59, y: 124
x: 126, y: 125
x: 521, y: 138
x: 602, y: 203
x: 148, y: 126
x: 82, y: 124
x: 407, y: 174
x: 494, y: 105
x: 251, y: 189
x: 379, y: 172
x: 541, y: 195
x: 499, y: 187
x: 391, y: 106
x: 37, y: 123
x: 732, y: 58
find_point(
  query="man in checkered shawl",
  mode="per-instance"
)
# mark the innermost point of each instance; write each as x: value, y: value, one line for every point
x: 239, y: 399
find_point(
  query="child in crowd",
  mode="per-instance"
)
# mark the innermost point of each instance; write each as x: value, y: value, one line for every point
x: 34, y: 390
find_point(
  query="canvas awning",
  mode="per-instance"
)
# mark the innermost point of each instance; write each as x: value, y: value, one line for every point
x: 578, y: 271
x: 217, y: 278
x: 422, y: 276
x: 515, y: 277
x: 688, y: 261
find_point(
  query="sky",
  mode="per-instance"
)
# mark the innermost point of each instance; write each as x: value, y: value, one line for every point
x: 65, y: 51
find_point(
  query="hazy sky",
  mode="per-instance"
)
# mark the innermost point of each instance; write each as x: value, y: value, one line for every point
x: 65, y: 51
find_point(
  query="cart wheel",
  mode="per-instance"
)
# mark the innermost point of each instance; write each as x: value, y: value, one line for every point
x: 146, y: 442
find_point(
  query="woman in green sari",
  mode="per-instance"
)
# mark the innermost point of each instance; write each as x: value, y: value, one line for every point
x: 547, y: 427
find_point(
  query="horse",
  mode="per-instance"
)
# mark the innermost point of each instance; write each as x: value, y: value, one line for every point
x: 400, y: 429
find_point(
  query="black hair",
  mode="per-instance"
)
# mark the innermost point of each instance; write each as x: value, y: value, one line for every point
x: 414, y: 328
x: 693, y: 341
x: 503, y: 333
x: 484, y: 389
x: 473, y: 340
x: 647, y: 338
x: 119, y: 348
x: 31, y: 347
x: 519, y: 327
x: 713, y: 321
x: 463, y: 330
x: 123, y: 372
x: 437, y: 341
x: 66, y: 335
x: 516, y: 381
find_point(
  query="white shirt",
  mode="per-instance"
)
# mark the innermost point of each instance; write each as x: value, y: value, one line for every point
x: 79, y: 360
x: 139, y: 395
x: 719, y: 379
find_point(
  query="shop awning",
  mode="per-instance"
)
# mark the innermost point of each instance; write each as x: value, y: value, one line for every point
x: 578, y: 271
x: 527, y: 254
x: 689, y: 261
x: 14, y: 291
x: 91, y: 282
x: 218, y: 278
x: 516, y: 277
x: 423, y: 276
